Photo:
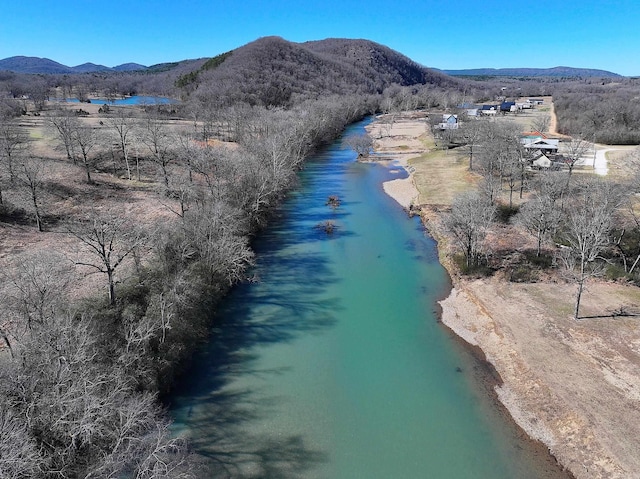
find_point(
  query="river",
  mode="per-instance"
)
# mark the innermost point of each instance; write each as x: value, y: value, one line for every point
x: 333, y: 365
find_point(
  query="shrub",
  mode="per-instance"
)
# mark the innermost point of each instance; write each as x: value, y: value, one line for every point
x: 521, y: 273
x: 475, y: 270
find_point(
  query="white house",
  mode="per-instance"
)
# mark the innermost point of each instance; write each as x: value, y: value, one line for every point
x: 449, y: 122
x: 541, y: 161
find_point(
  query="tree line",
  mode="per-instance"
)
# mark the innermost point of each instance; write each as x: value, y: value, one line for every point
x: 80, y: 378
x: 582, y: 226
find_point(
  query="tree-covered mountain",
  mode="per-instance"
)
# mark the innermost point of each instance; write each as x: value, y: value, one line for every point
x: 36, y: 65
x: 564, y: 72
x: 274, y: 71
x: 22, y: 64
x: 129, y: 67
x: 89, y: 68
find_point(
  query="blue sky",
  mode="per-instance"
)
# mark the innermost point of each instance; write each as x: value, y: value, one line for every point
x: 447, y: 34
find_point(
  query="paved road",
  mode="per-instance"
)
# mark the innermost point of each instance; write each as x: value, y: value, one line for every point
x: 599, y: 163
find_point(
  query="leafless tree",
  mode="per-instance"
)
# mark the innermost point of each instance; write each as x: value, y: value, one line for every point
x: 469, y: 221
x: 31, y: 173
x: 123, y: 126
x: 574, y: 150
x: 626, y: 240
x: 110, y: 239
x: 19, y: 453
x: 471, y: 132
x: 586, y: 232
x: 361, y: 144
x: 499, y: 159
x: 80, y: 412
x: 214, y: 234
x: 37, y: 286
x: 39, y: 91
x: 182, y: 190
x: 540, y: 217
x: 64, y: 124
x: 550, y: 184
x: 85, y: 138
x: 156, y: 137
x: 13, y: 142
x: 541, y: 123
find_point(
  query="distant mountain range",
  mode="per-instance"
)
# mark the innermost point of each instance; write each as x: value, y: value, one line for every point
x: 22, y: 64
x: 566, y: 72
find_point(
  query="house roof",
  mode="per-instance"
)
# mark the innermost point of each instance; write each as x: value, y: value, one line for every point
x: 542, y: 144
x: 534, y: 134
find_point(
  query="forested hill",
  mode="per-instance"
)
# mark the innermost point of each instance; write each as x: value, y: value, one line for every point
x: 274, y: 71
x: 36, y: 65
x: 564, y: 72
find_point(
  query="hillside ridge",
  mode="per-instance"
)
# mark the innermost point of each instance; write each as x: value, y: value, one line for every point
x: 560, y: 71
x: 46, y: 66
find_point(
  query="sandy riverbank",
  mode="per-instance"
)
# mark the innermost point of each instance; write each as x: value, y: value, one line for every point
x: 397, y: 143
x: 575, y: 386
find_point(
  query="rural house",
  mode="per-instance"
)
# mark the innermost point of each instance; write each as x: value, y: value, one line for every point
x: 449, y: 122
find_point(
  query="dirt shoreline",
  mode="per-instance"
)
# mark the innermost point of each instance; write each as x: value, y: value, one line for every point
x: 567, y: 384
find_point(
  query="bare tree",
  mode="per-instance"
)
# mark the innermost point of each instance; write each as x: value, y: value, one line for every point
x: 110, y: 239
x: 471, y: 133
x: 123, y: 126
x: 574, y: 150
x: 37, y: 286
x: 469, y: 222
x: 31, y: 172
x: 214, y: 234
x: 84, y: 414
x: 499, y: 159
x: 13, y: 142
x: 85, y: 138
x: 156, y: 137
x: 541, y: 123
x: 586, y: 232
x: 19, y: 453
x: 182, y: 190
x: 140, y: 444
x: 38, y: 90
x: 361, y: 144
x: 551, y: 184
x: 627, y: 239
x: 540, y: 217
x: 64, y: 124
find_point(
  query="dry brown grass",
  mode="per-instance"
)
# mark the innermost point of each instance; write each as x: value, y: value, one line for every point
x: 66, y: 196
x: 440, y: 176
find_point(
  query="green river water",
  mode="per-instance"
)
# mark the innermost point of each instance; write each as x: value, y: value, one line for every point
x: 334, y: 365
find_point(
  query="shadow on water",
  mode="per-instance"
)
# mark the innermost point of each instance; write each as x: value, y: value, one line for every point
x: 222, y: 402
x: 228, y: 450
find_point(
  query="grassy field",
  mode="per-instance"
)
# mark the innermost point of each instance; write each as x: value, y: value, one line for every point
x: 440, y: 175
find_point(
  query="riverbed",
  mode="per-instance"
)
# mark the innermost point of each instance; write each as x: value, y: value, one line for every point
x: 333, y: 364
